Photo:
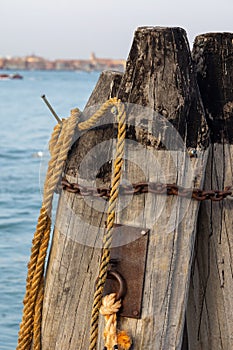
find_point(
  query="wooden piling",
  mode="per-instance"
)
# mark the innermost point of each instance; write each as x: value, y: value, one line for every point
x: 66, y: 321
x: 210, y: 306
x: 159, y: 77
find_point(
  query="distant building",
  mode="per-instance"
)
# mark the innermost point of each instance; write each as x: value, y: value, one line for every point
x: 34, y: 62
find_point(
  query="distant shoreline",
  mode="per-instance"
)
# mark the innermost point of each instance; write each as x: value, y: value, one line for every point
x: 10, y: 71
x: 33, y: 62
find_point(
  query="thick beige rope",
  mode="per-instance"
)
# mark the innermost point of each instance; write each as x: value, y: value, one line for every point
x: 38, y: 317
x: 113, y: 339
x: 109, y: 310
x: 60, y: 144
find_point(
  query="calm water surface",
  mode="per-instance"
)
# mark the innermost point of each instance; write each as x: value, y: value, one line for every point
x: 26, y: 125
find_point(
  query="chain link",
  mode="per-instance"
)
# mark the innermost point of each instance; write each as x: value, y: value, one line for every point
x: 151, y: 187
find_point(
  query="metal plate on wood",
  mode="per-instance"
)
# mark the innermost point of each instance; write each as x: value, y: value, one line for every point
x: 128, y: 258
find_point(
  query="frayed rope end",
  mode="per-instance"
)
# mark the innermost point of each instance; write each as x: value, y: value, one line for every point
x: 123, y: 340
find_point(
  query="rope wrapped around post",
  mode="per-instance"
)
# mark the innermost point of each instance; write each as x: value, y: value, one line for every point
x: 59, y: 145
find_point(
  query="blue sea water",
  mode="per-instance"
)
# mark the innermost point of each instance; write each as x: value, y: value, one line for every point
x: 26, y: 125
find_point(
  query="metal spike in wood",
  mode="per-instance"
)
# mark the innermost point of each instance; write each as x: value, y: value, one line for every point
x: 159, y: 77
x: 209, y: 313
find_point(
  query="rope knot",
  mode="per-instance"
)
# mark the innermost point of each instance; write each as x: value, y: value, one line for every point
x: 113, y: 339
x: 75, y: 112
x: 109, y: 305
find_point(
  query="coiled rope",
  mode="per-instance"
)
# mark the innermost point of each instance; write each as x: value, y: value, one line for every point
x: 60, y: 143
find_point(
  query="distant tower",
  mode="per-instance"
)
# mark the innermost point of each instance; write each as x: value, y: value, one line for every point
x: 93, y: 57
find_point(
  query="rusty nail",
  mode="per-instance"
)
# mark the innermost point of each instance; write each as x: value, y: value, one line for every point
x: 135, y: 313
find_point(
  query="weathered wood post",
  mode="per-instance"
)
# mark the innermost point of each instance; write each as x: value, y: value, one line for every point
x: 210, y: 306
x: 159, y: 77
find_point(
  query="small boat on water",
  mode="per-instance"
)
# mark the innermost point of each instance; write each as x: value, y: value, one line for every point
x: 5, y: 76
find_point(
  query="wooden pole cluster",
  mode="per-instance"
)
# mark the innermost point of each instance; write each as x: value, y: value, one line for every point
x: 160, y: 76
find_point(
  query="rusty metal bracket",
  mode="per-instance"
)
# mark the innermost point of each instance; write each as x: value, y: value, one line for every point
x: 127, y: 268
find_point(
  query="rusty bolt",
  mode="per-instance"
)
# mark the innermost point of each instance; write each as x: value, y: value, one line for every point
x: 135, y: 313
x: 114, y: 261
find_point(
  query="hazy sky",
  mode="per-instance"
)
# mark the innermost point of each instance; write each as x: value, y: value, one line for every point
x: 73, y: 28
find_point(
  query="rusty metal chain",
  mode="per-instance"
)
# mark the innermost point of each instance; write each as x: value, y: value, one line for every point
x: 151, y: 187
